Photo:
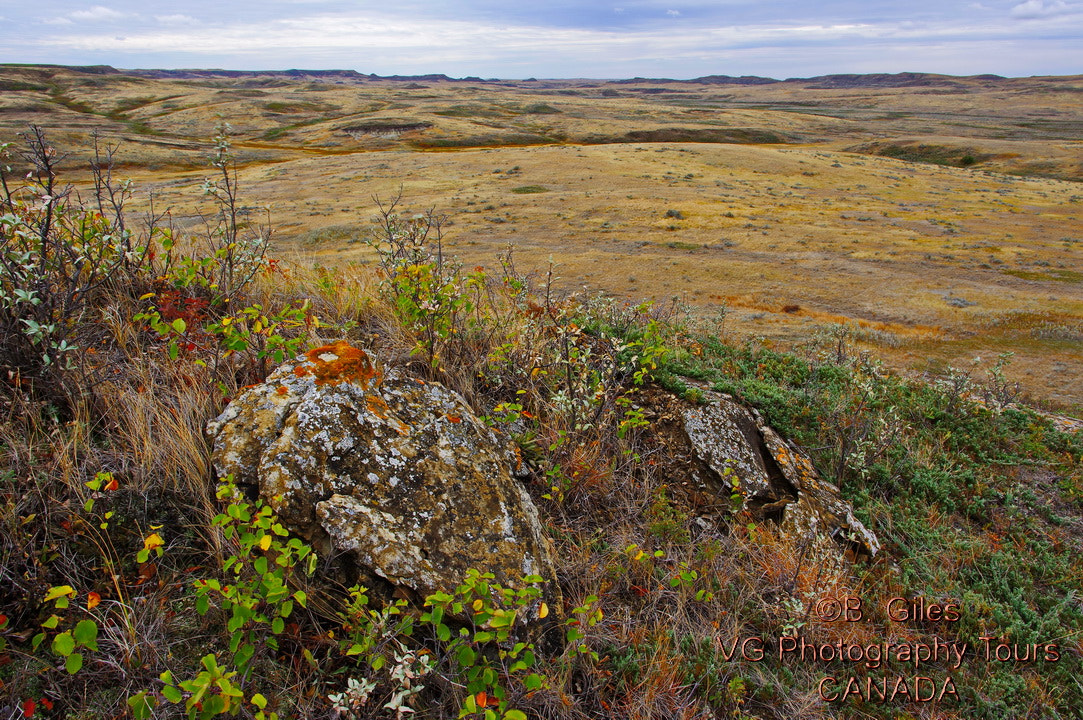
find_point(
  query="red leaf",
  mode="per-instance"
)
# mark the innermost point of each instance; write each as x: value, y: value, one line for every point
x: 47, y: 703
x: 29, y: 707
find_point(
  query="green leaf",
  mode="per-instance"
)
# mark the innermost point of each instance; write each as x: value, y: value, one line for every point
x: 202, y: 605
x: 466, y: 655
x: 86, y: 633
x: 142, y: 705
x: 214, y: 705
x: 285, y: 608
x: 74, y: 663
x: 278, y: 625
x: 243, y: 654
x: 180, y: 326
x: 172, y: 694
x: 300, y: 597
x: 514, y: 715
x: 64, y: 644
x: 259, y: 701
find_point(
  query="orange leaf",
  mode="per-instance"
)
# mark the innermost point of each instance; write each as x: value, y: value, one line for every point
x: 112, y: 484
x: 92, y: 601
x: 482, y: 699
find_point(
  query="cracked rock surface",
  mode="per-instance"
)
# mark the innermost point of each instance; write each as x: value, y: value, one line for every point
x: 396, y: 472
x: 774, y: 479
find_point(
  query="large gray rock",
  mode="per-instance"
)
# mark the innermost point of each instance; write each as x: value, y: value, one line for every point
x: 394, y: 471
x: 772, y: 478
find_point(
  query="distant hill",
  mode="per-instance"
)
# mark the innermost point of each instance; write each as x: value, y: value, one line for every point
x: 823, y: 82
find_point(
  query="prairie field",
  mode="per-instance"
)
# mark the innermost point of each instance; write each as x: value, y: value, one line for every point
x: 937, y: 218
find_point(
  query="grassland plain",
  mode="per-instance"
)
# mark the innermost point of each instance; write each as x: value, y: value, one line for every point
x: 939, y: 216
x: 113, y: 534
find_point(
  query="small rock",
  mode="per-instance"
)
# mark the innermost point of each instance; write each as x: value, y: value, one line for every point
x: 775, y: 480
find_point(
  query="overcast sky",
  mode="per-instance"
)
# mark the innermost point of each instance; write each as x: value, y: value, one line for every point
x: 556, y: 38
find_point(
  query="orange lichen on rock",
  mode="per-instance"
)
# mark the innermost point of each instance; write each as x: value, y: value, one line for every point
x: 377, y: 406
x: 338, y: 363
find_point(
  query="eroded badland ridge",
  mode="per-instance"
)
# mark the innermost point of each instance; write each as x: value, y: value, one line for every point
x: 938, y: 216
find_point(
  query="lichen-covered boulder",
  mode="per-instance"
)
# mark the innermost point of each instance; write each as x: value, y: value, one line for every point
x: 394, y: 471
x: 773, y: 479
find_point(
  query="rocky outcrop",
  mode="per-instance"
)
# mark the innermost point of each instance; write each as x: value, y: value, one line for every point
x: 772, y: 479
x: 396, y: 472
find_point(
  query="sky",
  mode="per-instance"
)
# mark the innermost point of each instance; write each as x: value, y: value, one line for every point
x: 556, y: 38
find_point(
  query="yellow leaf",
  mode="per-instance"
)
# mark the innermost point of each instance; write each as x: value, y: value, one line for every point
x: 543, y: 611
x: 265, y: 542
x: 226, y: 321
x: 59, y: 591
x: 144, y: 296
x: 153, y: 542
x: 93, y: 600
x: 478, y: 604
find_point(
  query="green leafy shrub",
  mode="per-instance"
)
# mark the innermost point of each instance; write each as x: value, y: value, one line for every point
x: 256, y: 594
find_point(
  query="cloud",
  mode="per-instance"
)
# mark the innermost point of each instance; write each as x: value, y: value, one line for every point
x: 597, y: 45
x: 1043, y: 9
x: 57, y: 21
x: 98, y: 12
x: 176, y: 19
